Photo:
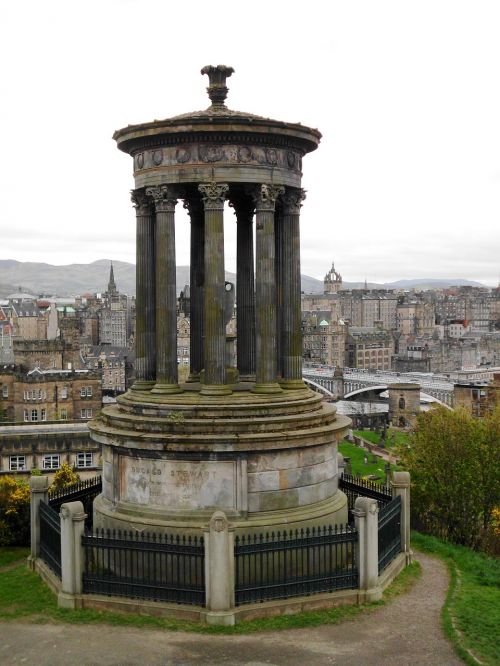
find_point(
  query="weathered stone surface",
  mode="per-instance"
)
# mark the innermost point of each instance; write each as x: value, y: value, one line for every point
x: 177, y: 484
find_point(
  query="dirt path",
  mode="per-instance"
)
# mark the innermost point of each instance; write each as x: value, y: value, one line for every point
x: 406, y: 631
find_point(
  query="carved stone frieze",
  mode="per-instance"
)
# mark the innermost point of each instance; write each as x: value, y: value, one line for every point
x: 220, y: 154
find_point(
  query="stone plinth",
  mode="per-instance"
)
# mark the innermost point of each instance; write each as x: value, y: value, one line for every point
x: 268, y: 462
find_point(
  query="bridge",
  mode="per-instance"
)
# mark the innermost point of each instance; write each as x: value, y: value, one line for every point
x: 356, y: 382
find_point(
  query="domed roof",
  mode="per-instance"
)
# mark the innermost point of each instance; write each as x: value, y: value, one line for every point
x: 216, y: 118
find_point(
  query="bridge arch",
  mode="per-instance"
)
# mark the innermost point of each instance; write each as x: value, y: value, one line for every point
x: 317, y: 387
x: 383, y: 387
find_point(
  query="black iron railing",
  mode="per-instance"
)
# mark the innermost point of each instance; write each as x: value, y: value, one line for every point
x: 145, y: 566
x: 50, y: 537
x: 295, y: 563
x: 355, y: 487
x: 84, y: 491
x: 389, y: 533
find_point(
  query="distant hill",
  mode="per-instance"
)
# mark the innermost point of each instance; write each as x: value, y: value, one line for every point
x: 76, y: 279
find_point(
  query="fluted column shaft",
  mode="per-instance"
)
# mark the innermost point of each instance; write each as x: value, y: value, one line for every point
x: 265, y: 298
x: 291, y: 329
x: 245, y: 288
x: 166, y: 297
x: 280, y: 276
x: 194, y: 206
x: 214, y: 382
x: 145, y: 334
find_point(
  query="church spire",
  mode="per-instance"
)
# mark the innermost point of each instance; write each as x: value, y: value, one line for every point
x: 111, y: 284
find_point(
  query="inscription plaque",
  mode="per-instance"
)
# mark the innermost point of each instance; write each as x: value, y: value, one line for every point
x: 178, y: 484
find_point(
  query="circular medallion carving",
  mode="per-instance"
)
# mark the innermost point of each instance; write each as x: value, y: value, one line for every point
x: 182, y: 155
x: 157, y: 157
x: 244, y: 154
x: 290, y: 158
x: 140, y: 160
x: 211, y: 153
x: 271, y: 156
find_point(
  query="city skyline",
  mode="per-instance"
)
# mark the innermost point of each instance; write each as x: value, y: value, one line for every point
x: 405, y: 183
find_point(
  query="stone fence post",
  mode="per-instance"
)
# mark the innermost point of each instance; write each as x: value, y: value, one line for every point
x: 72, y: 528
x: 401, y: 487
x: 366, y: 519
x: 39, y: 490
x: 219, y: 570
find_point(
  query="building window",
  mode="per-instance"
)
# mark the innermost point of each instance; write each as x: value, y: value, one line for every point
x: 51, y: 461
x: 34, y: 415
x: 5, y: 391
x: 86, y: 391
x: 89, y: 391
x: 86, y: 414
x: 64, y: 414
x: 84, y: 460
x: 26, y: 415
x: 64, y: 392
x: 17, y: 463
x: 43, y: 415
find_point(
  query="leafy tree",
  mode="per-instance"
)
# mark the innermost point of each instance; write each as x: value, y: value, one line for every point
x: 65, y: 476
x: 14, y: 512
x: 454, y: 462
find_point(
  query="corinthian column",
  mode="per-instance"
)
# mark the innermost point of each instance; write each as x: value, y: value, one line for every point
x: 291, y: 331
x: 265, y: 316
x: 166, y: 297
x: 245, y: 287
x: 214, y: 381
x: 145, y: 333
x: 194, y: 206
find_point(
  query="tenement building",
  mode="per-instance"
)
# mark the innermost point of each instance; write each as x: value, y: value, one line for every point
x: 246, y: 437
x: 49, y: 395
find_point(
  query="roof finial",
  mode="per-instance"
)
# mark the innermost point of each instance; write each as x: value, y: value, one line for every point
x: 217, y: 89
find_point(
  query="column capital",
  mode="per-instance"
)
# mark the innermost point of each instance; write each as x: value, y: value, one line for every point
x: 163, y: 197
x: 140, y: 201
x: 194, y: 206
x: 214, y: 194
x: 292, y: 200
x: 265, y: 196
x: 244, y: 208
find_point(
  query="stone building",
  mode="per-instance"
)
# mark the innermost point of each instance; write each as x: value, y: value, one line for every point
x: 28, y: 319
x: 115, y: 364
x: 369, y: 348
x: 324, y: 339
x: 404, y: 404
x: 49, y: 395
x: 24, y: 448
x: 478, y: 398
x: 114, y: 317
x: 416, y: 318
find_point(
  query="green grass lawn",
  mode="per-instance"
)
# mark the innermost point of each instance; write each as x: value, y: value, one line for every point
x: 11, y: 554
x: 394, y: 437
x: 471, y: 615
x: 357, y: 456
x: 24, y: 596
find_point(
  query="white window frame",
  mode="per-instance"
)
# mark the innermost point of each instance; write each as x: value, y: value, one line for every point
x: 51, y: 461
x: 17, y: 463
x: 84, y: 459
x: 34, y: 415
x: 83, y: 392
x: 89, y: 391
x: 63, y: 414
x: 86, y: 414
x: 43, y: 414
x: 5, y: 391
x: 26, y: 415
x: 64, y: 393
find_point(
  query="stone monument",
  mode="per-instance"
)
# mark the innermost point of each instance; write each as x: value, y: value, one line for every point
x: 252, y: 440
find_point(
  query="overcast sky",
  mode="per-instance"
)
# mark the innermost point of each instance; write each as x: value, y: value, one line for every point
x: 405, y: 183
